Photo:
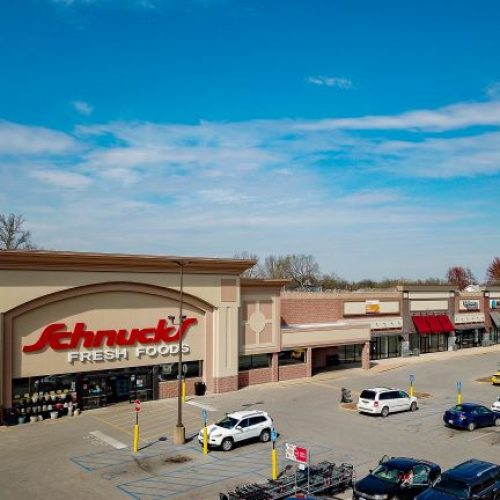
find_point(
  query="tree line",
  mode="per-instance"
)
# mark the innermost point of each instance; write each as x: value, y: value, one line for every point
x: 302, y: 271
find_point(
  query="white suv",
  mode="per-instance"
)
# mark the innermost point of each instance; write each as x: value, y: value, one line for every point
x: 238, y: 426
x: 385, y: 400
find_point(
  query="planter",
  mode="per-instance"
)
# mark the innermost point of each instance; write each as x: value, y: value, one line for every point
x: 33, y: 419
x: 54, y: 415
x: 20, y: 420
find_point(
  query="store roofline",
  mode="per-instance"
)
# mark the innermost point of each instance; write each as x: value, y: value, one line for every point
x: 89, y: 261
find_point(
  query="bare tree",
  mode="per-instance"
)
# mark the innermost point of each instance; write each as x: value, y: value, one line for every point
x: 254, y: 271
x: 304, y: 270
x: 493, y: 271
x: 460, y: 277
x: 12, y: 234
x: 276, y: 267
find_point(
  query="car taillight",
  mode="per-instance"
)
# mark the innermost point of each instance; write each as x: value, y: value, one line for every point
x: 375, y: 404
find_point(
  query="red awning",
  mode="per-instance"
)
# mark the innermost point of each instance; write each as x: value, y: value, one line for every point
x: 421, y: 324
x: 446, y: 324
x: 435, y: 324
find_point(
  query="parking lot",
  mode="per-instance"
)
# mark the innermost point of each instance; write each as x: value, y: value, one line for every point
x: 91, y: 456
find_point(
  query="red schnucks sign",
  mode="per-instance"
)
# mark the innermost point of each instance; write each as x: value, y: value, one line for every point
x: 58, y: 338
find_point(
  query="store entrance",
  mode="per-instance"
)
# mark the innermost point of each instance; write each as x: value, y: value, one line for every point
x: 434, y: 343
x: 103, y: 388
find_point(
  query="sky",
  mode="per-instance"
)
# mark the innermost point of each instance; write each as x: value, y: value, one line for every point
x: 365, y: 133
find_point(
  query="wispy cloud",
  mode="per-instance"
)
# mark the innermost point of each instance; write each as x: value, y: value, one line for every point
x: 330, y: 81
x: 25, y: 140
x: 342, y: 183
x: 61, y: 179
x: 82, y: 107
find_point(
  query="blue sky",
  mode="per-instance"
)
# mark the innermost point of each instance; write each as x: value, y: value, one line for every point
x: 366, y: 133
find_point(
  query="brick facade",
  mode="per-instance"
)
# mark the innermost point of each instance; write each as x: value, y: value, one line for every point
x: 225, y: 384
x: 290, y: 372
x: 257, y: 376
x: 310, y: 308
x: 169, y: 389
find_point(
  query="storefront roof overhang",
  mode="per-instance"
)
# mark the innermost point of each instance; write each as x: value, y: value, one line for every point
x: 263, y: 283
x: 76, y: 261
x: 469, y: 326
x: 495, y: 316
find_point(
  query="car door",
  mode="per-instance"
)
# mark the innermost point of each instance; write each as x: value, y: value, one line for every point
x: 421, y: 479
x: 404, y: 401
x: 393, y: 401
x: 255, y: 426
x: 242, y: 430
x: 486, y: 416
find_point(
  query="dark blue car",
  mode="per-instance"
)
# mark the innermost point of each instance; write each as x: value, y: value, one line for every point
x: 397, y: 478
x: 473, y: 479
x: 471, y: 415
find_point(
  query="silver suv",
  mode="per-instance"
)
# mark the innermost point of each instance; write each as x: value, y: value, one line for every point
x: 385, y: 400
x: 238, y: 426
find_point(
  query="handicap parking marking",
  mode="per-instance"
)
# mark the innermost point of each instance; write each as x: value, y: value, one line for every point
x: 226, y: 466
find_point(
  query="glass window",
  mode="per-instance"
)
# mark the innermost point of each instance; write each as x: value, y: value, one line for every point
x: 257, y: 420
x: 402, y: 394
x: 368, y: 395
x: 387, y: 473
x: 169, y: 371
x: 254, y: 361
x: 453, y: 487
x: 294, y: 357
x: 244, y: 423
x: 226, y: 422
x: 421, y: 474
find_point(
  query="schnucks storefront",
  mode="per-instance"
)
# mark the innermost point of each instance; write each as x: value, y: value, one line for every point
x: 84, y: 330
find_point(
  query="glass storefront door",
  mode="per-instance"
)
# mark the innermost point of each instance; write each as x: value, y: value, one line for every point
x: 385, y: 346
x: 433, y: 343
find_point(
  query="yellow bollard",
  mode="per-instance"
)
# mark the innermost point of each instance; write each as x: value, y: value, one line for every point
x: 205, y: 440
x: 136, y: 438
x: 274, y: 462
x: 411, y: 390
x: 183, y: 390
x: 459, y: 397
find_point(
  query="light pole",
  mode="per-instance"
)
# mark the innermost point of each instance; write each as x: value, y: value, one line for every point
x: 180, y: 430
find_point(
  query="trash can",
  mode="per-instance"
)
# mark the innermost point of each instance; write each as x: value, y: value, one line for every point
x: 200, y: 388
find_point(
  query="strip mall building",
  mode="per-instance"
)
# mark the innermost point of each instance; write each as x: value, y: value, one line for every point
x: 105, y: 328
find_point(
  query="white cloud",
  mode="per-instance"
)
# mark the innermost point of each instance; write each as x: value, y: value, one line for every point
x: 18, y: 139
x: 456, y: 116
x: 331, y: 81
x: 82, y: 107
x: 272, y: 186
x: 57, y: 178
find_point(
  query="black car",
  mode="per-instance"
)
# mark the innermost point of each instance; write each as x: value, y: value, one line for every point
x: 473, y: 479
x: 397, y: 478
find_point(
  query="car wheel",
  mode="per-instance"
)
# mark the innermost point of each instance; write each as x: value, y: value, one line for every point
x: 265, y: 436
x: 385, y: 411
x: 227, y: 444
x: 471, y: 426
x: 413, y: 406
x: 497, y: 422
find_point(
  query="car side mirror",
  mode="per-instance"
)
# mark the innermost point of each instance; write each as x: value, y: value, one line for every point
x: 370, y: 471
x: 239, y: 428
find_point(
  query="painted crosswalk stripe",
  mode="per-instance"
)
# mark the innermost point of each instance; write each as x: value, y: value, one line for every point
x: 108, y: 440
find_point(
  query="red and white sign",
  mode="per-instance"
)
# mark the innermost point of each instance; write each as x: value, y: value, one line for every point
x: 58, y: 338
x: 137, y: 405
x: 296, y: 453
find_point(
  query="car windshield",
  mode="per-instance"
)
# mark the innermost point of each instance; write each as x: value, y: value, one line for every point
x: 452, y: 487
x: 226, y: 422
x: 367, y: 395
x: 388, y: 473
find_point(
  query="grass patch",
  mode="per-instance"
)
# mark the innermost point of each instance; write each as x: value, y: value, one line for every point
x: 349, y: 406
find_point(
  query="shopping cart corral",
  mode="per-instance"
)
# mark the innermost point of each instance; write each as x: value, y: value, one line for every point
x: 324, y: 478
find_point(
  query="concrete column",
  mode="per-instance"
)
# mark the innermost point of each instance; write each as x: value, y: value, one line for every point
x: 309, y: 361
x: 274, y: 367
x: 365, y: 356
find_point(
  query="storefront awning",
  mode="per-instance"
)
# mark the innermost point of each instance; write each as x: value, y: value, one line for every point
x: 435, y: 324
x: 421, y: 324
x: 495, y: 316
x: 446, y: 323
